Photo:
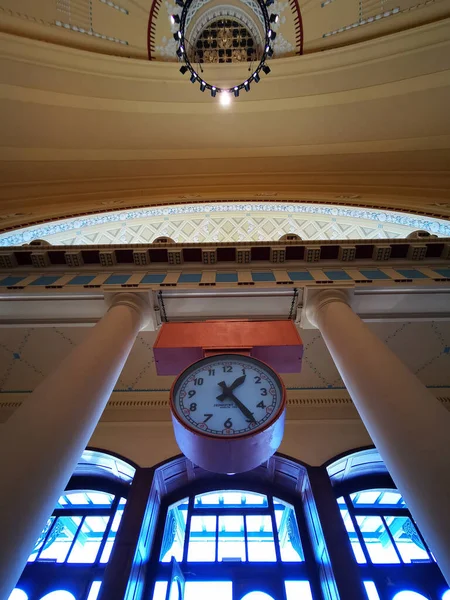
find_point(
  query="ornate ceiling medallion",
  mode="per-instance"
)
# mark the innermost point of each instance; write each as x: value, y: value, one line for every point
x: 225, y: 34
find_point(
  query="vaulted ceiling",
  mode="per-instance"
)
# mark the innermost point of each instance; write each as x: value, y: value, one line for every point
x: 90, y: 125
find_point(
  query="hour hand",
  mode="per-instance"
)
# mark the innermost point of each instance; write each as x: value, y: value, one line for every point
x: 236, y: 383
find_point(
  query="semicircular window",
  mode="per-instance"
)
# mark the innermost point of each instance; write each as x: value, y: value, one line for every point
x: 224, y: 41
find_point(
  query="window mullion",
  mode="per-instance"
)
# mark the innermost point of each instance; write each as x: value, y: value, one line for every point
x: 357, y: 529
x: 75, y: 538
x: 107, y: 531
x: 391, y: 537
x: 188, y: 528
x: 275, y: 529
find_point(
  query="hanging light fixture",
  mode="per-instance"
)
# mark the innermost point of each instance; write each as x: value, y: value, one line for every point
x: 225, y: 94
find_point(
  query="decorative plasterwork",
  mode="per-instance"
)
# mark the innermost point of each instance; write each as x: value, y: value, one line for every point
x: 228, y: 222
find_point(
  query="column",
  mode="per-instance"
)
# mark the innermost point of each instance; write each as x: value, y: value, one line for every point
x: 42, y: 442
x: 408, y: 425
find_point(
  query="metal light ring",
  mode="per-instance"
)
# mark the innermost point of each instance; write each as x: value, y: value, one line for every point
x: 208, y: 86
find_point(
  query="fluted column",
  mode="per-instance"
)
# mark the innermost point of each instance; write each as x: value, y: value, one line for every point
x: 408, y: 425
x: 42, y: 442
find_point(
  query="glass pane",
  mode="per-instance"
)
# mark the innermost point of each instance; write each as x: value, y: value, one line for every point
x: 202, y: 539
x: 288, y: 534
x: 298, y: 590
x: 88, y: 540
x: 95, y: 590
x: 216, y: 590
x: 40, y: 541
x: 112, y: 534
x: 18, y: 595
x: 446, y: 595
x: 84, y: 499
x: 231, y: 538
x: 60, y: 539
x: 229, y: 498
x: 407, y: 595
x: 261, y: 547
x: 391, y: 498
x: 368, y: 497
x: 59, y: 595
x: 174, y: 532
x: 356, y: 546
x: 377, y: 540
x: 408, y: 541
x: 257, y: 596
x: 159, y: 592
x: 371, y: 590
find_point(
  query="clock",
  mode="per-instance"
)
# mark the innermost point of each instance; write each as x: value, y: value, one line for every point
x: 228, y: 412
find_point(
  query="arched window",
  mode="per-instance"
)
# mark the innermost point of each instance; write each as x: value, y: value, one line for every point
x: 234, y: 544
x: 69, y: 557
x: 394, y: 559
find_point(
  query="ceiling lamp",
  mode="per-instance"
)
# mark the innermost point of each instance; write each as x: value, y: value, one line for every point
x: 225, y: 94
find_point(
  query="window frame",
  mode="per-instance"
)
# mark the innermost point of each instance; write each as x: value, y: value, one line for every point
x: 246, y: 573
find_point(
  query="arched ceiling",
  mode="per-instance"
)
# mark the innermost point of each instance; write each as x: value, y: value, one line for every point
x: 232, y: 222
x: 83, y: 132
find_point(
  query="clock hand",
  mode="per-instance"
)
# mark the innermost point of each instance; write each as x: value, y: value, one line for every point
x: 244, y: 410
x: 237, y: 382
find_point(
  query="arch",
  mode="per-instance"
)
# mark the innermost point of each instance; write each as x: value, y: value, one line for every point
x: 95, y: 462
x: 181, y: 222
x: 446, y: 595
x: 257, y: 595
x: 18, y: 594
x: 59, y: 595
x: 408, y: 595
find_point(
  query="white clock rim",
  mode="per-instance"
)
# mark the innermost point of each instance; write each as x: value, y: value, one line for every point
x: 217, y: 437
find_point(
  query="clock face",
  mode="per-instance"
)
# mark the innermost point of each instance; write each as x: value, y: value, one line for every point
x: 228, y: 395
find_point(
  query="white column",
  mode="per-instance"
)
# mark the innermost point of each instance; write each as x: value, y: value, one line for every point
x: 42, y: 442
x: 408, y: 425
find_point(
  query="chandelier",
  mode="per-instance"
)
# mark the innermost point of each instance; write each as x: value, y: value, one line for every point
x: 227, y: 46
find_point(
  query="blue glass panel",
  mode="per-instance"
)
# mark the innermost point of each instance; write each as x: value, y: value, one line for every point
x: 46, y: 280
x: 82, y: 280
x: 154, y: 278
x: 257, y: 596
x: 338, y: 275
x: 446, y: 595
x: 300, y: 276
x: 10, y: 281
x: 411, y: 273
x: 95, y: 590
x: 263, y: 277
x: 199, y: 590
x: 117, y: 279
x: 174, y: 532
x: 444, y: 273
x: 288, y: 533
x: 298, y: 590
x: 190, y: 278
x: 373, y: 274
x: 226, y: 277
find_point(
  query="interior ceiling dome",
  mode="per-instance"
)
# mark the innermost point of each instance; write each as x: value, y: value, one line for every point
x: 228, y: 222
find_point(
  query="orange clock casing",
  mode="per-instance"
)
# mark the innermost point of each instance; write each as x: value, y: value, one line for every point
x: 236, y: 454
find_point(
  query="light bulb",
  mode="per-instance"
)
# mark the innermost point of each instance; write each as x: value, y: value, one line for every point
x: 225, y: 99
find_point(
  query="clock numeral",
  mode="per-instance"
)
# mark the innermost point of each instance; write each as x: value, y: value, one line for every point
x: 193, y: 407
x: 261, y: 404
x: 227, y: 369
x: 191, y: 393
x: 257, y: 379
x: 228, y: 424
x: 198, y: 381
x: 263, y: 391
x: 211, y: 372
x: 208, y: 416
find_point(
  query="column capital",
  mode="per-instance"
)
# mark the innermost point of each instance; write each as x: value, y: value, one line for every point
x: 316, y: 300
x: 139, y: 302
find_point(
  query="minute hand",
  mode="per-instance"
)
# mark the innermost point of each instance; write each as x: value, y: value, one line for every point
x: 244, y: 410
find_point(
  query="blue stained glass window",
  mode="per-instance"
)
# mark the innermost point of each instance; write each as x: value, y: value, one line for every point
x: 46, y: 280
x: 59, y: 595
x: 18, y: 594
x: 190, y: 278
x: 411, y: 273
x: 226, y: 277
x: 409, y: 595
x: 117, y: 279
x: 263, y: 276
x: 300, y: 276
x: 82, y: 280
x: 154, y: 278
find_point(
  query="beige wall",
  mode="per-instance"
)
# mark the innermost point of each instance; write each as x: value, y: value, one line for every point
x: 309, y: 441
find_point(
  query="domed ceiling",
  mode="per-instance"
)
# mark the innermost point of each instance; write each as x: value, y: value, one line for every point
x: 227, y: 222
